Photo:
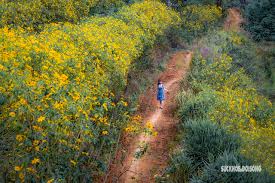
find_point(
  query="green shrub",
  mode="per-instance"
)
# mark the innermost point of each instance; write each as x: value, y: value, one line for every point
x: 212, y: 172
x: 141, y: 15
x: 196, y: 106
x: 255, y: 60
x: 35, y: 13
x: 217, y: 72
x: 261, y: 15
x: 258, y: 144
x: 197, y: 20
x: 224, y: 3
x: 205, y: 141
x: 181, y: 167
x: 107, y: 6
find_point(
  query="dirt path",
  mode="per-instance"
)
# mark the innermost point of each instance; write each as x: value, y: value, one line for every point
x: 233, y: 20
x: 127, y: 168
x: 155, y: 158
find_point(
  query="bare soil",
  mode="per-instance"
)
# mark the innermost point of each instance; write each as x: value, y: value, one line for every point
x: 233, y: 20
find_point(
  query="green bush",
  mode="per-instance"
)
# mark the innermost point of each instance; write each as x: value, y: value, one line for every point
x: 217, y: 72
x: 35, y: 13
x: 181, y: 167
x: 212, y: 172
x: 205, y: 141
x: 196, y: 106
x: 261, y: 15
x: 107, y: 6
x: 197, y: 20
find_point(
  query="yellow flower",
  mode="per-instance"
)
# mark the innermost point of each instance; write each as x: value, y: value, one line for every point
x: 125, y: 104
x: 12, y: 114
x: 41, y: 118
x: 105, y: 106
x: 2, y: 67
x: 18, y: 168
x: 21, y: 176
x: 35, y: 142
x: 252, y: 121
x: 155, y: 133
x: 20, y: 138
x: 23, y: 101
x: 31, y: 83
x: 37, y: 128
x: 35, y: 161
x: 36, y: 148
x: 32, y: 170
x: 73, y: 162
x: 128, y: 129
x: 149, y: 125
x: 76, y: 97
x: 63, y: 79
x: 105, y: 132
x: 50, y: 181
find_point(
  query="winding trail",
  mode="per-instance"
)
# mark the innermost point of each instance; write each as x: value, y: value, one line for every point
x: 154, y: 160
x: 233, y: 20
x: 126, y: 168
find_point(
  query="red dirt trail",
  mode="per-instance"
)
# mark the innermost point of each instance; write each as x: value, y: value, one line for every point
x: 155, y: 158
x: 233, y: 20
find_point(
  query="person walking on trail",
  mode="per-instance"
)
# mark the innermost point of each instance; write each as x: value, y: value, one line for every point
x: 161, y: 93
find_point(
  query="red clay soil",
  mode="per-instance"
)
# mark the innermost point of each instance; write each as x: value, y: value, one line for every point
x: 130, y: 169
x: 233, y: 20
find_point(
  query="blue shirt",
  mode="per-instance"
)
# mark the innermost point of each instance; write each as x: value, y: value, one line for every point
x: 160, y: 95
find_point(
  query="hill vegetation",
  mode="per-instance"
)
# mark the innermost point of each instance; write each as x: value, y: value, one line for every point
x: 65, y: 66
x: 36, y: 13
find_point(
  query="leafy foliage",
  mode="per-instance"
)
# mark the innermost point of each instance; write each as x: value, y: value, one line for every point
x: 198, y: 19
x: 247, y: 58
x: 212, y: 172
x: 224, y: 3
x: 196, y: 106
x: 35, y: 13
x: 261, y: 16
x: 205, y: 141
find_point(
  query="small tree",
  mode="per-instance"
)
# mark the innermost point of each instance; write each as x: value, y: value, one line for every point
x: 261, y: 19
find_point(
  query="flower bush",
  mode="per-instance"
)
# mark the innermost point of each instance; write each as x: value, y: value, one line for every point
x: 38, y: 12
x: 254, y: 59
x: 60, y: 105
x: 197, y: 19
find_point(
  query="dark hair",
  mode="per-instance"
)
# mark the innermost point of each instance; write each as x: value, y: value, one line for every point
x: 159, y: 81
